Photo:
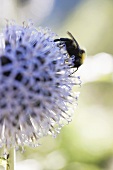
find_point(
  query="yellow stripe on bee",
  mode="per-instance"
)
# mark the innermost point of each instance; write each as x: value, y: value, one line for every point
x: 83, y: 57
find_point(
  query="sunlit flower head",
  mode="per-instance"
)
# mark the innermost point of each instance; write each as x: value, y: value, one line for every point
x: 35, y: 86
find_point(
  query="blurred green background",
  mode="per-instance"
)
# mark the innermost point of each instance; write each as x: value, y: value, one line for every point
x: 87, y: 142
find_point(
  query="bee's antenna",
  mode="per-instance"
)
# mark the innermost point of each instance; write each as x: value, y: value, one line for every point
x: 73, y: 38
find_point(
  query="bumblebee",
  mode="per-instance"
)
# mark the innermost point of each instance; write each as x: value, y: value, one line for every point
x: 74, y: 51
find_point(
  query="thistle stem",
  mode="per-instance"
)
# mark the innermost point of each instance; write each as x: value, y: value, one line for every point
x: 11, y: 156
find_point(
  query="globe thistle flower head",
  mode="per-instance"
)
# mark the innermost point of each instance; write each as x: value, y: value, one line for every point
x: 35, y: 86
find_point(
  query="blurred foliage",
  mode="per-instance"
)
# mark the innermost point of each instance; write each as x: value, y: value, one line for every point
x: 91, y: 24
x: 87, y: 142
x: 90, y: 21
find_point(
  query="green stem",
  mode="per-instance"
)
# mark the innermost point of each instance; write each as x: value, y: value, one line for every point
x: 10, y: 165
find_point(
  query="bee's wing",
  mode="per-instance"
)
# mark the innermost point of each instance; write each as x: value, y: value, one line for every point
x: 73, y: 38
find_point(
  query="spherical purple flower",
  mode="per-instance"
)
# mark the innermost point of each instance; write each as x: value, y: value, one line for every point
x: 35, y: 86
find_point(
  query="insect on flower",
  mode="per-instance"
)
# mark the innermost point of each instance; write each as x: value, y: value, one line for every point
x: 35, y: 84
x: 74, y: 51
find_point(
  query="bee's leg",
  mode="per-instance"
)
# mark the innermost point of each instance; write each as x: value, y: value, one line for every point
x: 73, y: 72
x: 56, y: 40
x: 64, y: 40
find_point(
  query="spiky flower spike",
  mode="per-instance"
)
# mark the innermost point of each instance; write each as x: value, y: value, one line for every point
x: 35, y: 86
